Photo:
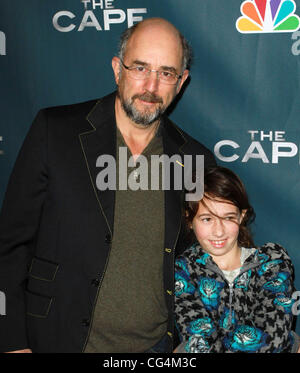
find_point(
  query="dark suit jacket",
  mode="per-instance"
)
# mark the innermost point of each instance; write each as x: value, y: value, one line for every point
x: 56, y: 226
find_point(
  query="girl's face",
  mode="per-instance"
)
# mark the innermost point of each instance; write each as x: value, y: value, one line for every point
x: 217, y: 226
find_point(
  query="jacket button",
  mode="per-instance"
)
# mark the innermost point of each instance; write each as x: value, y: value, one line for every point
x: 108, y: 238
x: 85, y: 322
x: 168, y: 250
x: 95, y: 282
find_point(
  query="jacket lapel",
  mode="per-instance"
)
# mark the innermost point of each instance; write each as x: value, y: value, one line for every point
x: 173, y: 141
x: 101, y: 140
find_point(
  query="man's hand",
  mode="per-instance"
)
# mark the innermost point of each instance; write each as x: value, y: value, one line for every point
x: 26, y: 351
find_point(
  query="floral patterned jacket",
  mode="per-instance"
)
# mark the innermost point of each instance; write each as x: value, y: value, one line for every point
x: 253, y: 314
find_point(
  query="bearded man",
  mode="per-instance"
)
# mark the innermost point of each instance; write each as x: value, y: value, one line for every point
x: 91, y: 270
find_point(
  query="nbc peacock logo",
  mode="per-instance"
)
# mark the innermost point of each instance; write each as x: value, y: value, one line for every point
x: 268, y: 16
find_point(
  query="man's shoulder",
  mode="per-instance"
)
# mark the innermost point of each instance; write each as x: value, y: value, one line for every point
x: 81, y: 109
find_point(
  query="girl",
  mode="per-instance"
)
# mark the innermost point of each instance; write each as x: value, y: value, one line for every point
x: 231, y: 296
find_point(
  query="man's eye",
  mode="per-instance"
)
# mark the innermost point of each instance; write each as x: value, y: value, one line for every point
x: 166, y: 74
x: 140, y: 69
x: 206, y: 220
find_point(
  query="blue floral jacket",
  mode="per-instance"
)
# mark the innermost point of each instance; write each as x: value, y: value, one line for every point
x: 253, y: 314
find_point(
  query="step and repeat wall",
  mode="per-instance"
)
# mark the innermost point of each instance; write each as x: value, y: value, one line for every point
x: 242, y: 100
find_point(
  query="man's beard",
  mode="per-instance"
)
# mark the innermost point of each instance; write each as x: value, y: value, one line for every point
x: 147, y: 117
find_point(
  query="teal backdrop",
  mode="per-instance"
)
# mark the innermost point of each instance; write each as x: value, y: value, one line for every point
x: 242, y: 101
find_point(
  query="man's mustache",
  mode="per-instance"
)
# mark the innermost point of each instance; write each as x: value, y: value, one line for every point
x: 148, y: 97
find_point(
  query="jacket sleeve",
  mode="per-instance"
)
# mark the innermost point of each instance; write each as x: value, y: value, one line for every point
x: 272, y: 314
x: 196, y: 321
x: 19, y: 221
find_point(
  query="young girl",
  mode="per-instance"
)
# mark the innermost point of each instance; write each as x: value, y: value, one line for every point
x: 229, y: 295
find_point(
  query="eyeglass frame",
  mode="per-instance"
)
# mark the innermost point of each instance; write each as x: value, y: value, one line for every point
x: 130, y: 68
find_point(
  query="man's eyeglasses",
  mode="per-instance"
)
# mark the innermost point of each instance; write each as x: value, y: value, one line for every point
x: 140, y: 72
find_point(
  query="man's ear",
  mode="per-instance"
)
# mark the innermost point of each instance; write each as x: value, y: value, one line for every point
x: 116, y: 66
x: 185, y: 75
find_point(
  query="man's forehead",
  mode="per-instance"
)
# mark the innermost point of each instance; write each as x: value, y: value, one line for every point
x: 155, y: 37
x: 151, y: 51
x: 159, y: 25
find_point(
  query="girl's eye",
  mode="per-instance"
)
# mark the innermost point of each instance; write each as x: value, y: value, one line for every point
x: 206, y: 220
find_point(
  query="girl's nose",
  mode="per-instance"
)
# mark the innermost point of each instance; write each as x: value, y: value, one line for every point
x: 218, y: 228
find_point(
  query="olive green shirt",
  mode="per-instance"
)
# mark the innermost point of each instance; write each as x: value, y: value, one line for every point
x: 131, y: 314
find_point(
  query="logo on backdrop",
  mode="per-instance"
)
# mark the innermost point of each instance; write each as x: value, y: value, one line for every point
x: 97, y: 14
x: 265, y: 147
x: 268, y: 16
x: 2, y: 44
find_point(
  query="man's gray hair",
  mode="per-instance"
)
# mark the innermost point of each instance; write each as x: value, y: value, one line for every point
x: 187, y: 50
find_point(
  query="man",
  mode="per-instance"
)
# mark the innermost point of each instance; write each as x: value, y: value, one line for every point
x: 86, y: 269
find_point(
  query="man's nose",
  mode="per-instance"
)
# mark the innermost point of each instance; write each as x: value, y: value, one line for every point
x: 152, y: 81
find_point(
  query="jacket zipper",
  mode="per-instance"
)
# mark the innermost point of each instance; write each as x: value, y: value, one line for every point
x: 230, y: 285
x: 230, y: 302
